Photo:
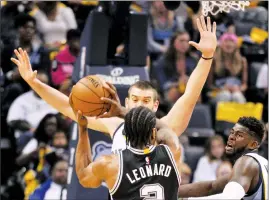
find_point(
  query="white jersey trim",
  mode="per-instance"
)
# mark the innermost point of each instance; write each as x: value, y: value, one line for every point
x: 141, y: 151
x: 173, y: 162
x: 264, y: 170
x: 119, y: 177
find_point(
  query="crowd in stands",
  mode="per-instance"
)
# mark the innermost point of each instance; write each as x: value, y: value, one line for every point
x: 35, y: 137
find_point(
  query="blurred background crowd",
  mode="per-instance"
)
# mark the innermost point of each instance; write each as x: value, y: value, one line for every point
x: 35, y: 137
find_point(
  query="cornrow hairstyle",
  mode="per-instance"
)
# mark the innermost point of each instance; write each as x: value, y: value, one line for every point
x: 138, y: 126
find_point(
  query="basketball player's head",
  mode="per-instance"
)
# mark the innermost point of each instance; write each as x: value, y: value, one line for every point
x: 139, y: 127
x: 142, y: 93
x: 246, y: 135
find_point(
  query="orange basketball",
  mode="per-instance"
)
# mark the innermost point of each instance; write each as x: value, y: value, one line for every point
x: 86, y: 94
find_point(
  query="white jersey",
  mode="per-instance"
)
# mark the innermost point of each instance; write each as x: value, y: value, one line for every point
x: 118, y: 140
x: 261, y: 190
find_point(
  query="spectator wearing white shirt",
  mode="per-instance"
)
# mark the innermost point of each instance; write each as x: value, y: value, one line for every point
x: 27, y: 110
x: 208, y: 164
x: 262, y: 79
x: 54, y: 188
x: 53, y: 20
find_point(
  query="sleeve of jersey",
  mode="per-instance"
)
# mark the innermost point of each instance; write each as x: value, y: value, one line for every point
x: 232, y: 190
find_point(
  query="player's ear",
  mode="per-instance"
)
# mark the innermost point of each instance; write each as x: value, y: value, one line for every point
x: 153, y: 136
x: 254, y: 144
x: 155, y: 106
x: 126, y: 102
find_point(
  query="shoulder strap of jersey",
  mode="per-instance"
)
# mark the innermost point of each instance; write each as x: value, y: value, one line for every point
x: 117, y: 130
x: 264, y: 167
x: 119, y: 177
x: 172, y: 161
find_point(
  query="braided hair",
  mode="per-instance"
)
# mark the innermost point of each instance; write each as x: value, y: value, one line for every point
x: 138, y: 126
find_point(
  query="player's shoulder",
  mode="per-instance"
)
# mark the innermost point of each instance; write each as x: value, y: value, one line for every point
x: 246, y: 163
x: 107, y: 161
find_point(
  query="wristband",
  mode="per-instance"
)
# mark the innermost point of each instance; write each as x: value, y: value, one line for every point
x: 207, y: 58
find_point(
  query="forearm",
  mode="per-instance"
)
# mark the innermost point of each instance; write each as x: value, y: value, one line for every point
x: 24, y: 159
x: 53, y: 97
x: 83, y: 152
x: 196, y: 189
x: 197, y: 80
x: 233, y: 190
x: 179, y: 116
x: 204, y: 188
x: 21, y: 125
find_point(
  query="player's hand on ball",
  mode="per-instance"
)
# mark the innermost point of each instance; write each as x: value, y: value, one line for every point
x: 82, y: 120
x: 208, y: 39
x: 24, y: 65
x: 116, y: 110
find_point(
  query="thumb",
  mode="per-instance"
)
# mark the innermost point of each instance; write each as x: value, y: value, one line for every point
x: 194, y: 44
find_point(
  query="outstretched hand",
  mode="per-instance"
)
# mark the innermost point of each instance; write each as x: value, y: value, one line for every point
x: 116, y: 110
x: 24, y: 65
x: 208, y: 39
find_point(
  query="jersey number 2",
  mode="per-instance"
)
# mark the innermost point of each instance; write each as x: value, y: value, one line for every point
x: 152, y: 191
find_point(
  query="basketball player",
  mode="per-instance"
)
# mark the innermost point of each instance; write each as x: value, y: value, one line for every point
x: 249, y: 179
x: 142, y: 171
x: 141, y: 93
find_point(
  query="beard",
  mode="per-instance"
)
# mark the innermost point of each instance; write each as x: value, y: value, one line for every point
x: 236, y: 154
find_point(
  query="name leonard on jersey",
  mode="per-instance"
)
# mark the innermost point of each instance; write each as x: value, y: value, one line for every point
x: 148, y: 171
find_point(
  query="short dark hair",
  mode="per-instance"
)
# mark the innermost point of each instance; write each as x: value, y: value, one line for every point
x: 73, y: 34
x: 22, y: 19
x: 253, y: 125
x: 138, y: 126
x: 144, y: 85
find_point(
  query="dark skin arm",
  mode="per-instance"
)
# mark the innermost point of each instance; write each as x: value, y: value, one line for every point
x: 204, y: 188
x: 244, y: 171
x: 85, y: 168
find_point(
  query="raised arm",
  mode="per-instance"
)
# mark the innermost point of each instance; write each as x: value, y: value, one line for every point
x: 90, y: 174
x: 57, y: 99
x: 180, y: 114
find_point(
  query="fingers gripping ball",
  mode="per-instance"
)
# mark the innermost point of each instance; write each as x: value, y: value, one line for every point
x: 86, y: 94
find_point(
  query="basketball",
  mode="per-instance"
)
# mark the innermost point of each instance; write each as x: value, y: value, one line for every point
x: 86, y: 96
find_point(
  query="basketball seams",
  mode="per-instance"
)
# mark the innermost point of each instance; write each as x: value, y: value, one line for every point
x: 89, y: 88
x: 92, y: 111
x: 103, y: 95
x: 85, y: 101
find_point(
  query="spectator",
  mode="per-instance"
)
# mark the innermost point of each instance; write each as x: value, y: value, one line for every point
x: 41, y: 137
x: 26, y: 112
x: 62, y: 68
x: 228, y: 75
x: 175, y: 66
x: 161, y: 27
x: 208, y: 164
x: 224, y: 169
x: 54, y: 188
x: 39, y: 58
x: 53, y: 20
x: 262, y: 79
